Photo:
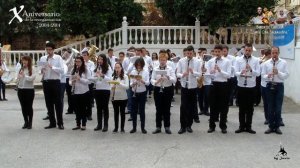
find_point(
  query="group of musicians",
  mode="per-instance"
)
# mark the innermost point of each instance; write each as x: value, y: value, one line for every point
x: 207, y: 80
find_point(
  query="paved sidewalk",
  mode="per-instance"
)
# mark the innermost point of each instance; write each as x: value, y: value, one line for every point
x: 40, y: 148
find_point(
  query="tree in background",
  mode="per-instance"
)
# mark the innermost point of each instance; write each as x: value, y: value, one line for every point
x: 94, y: 17
x: 212, y: 13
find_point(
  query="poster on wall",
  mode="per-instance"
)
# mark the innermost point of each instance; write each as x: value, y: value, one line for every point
x: 284, y: 38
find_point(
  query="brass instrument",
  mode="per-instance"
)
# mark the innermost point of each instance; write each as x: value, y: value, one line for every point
x: 137, y: 77
x: 200, y: 80
x: 18, y: 79
x: 187, y: 70
x: 114, y: 83
x: 92, y: 53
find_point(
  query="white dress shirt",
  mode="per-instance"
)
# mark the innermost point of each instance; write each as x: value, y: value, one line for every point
x: 63, y: 76
x: 281, y: 66
x: 225, y: 66
x: 82, y: 85
x: 90, y: 66
x: 164, y: 83
x: 140, y: 87
x: 189, y: 81
x: 125, y: 64
x: 102, y: 82
x: 57, y: 69
x: 240, y: 65
x: 26, y: 82
x: 263, y: 81
x: 70, y: 65
x: 120, y: 90
x: 231, y: 58
x: 112, y: 60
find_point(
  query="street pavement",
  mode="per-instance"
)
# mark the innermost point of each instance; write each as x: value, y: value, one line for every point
x: 54, y: 148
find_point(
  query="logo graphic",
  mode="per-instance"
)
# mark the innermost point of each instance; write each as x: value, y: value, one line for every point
x: 282, y: 154
x: 16, y: 13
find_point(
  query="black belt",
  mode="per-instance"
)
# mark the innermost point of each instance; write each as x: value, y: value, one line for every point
x: 51, y: 80
x: 274, y: 83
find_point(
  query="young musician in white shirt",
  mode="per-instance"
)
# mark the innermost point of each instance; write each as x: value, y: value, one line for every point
x: 163, y: 92
x: 188, y: 70
x: 102, y: 75
x: 220, y: 70
x: 119, y: 96
x: 138, y: 83
x: 275, y: 71
x: 52, y: 71
x: 247, y: 68
x: 25, y: 78
x: 80, y: 91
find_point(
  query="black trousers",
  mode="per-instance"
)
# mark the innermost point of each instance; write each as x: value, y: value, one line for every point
x: 138, y: 106
x: 26, y: 97
x: 70, y: 97
x: 258, y: 91
x: 91, y: 99
x: 52, y: 93
x: 119, y: 109
x: 218, y: 104
x: 163, y: 104
x: 246, y: 98
x: 187, y: 106
x: 81, y: 104
x: 2, y: 87
x: 102, y: 100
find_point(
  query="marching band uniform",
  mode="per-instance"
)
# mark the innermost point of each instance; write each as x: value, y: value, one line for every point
x: 139, y: 98
x: 275, y: 91
x: 52, y: 89
x: 246, y: 90
x: 163, y: 94
x: 26, y: 95
x: 219, y: 92
x: 188, y: 91
x: 102, y: 93
x: 81, y: 98
x: 120, y: 101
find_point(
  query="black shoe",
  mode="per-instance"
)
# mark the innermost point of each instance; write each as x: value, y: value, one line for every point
x: 239, y: 130
x: 251, y: 131
x: 61, y: 127
x: 50, y: 126
x: 104, y: 129
x: 210, y: 130
x: 76, y: 128
x: 29, y: 127
x: 207, y: 114
x: 115, y: 130
x: 156, y: 131
x: 130, y: 119
x: 189, y: 129
x: 224, y: 131
x: 46, y: 118
x: 83, y: 128
x: 133, y: 131
x: 196, y: 120
x: 122, y: 131
x: 281, y: 124
x: 69, y: 113
x: 1, y: 99
x: 201, y: 113
x: 167, y: 130
x: 181, y: 131
x: 278, y: 131
x: 97, y: 128
x: 89, y: 118
x: 268, y: 131
x: 25, y: 126
x: 266, y: 122
x: 4, y: 99
x: 144, y: 131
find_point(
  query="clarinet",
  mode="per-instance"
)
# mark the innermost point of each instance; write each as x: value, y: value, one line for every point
x: 245, y: 83
x: 274, y: 66
x: 73, y: 82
